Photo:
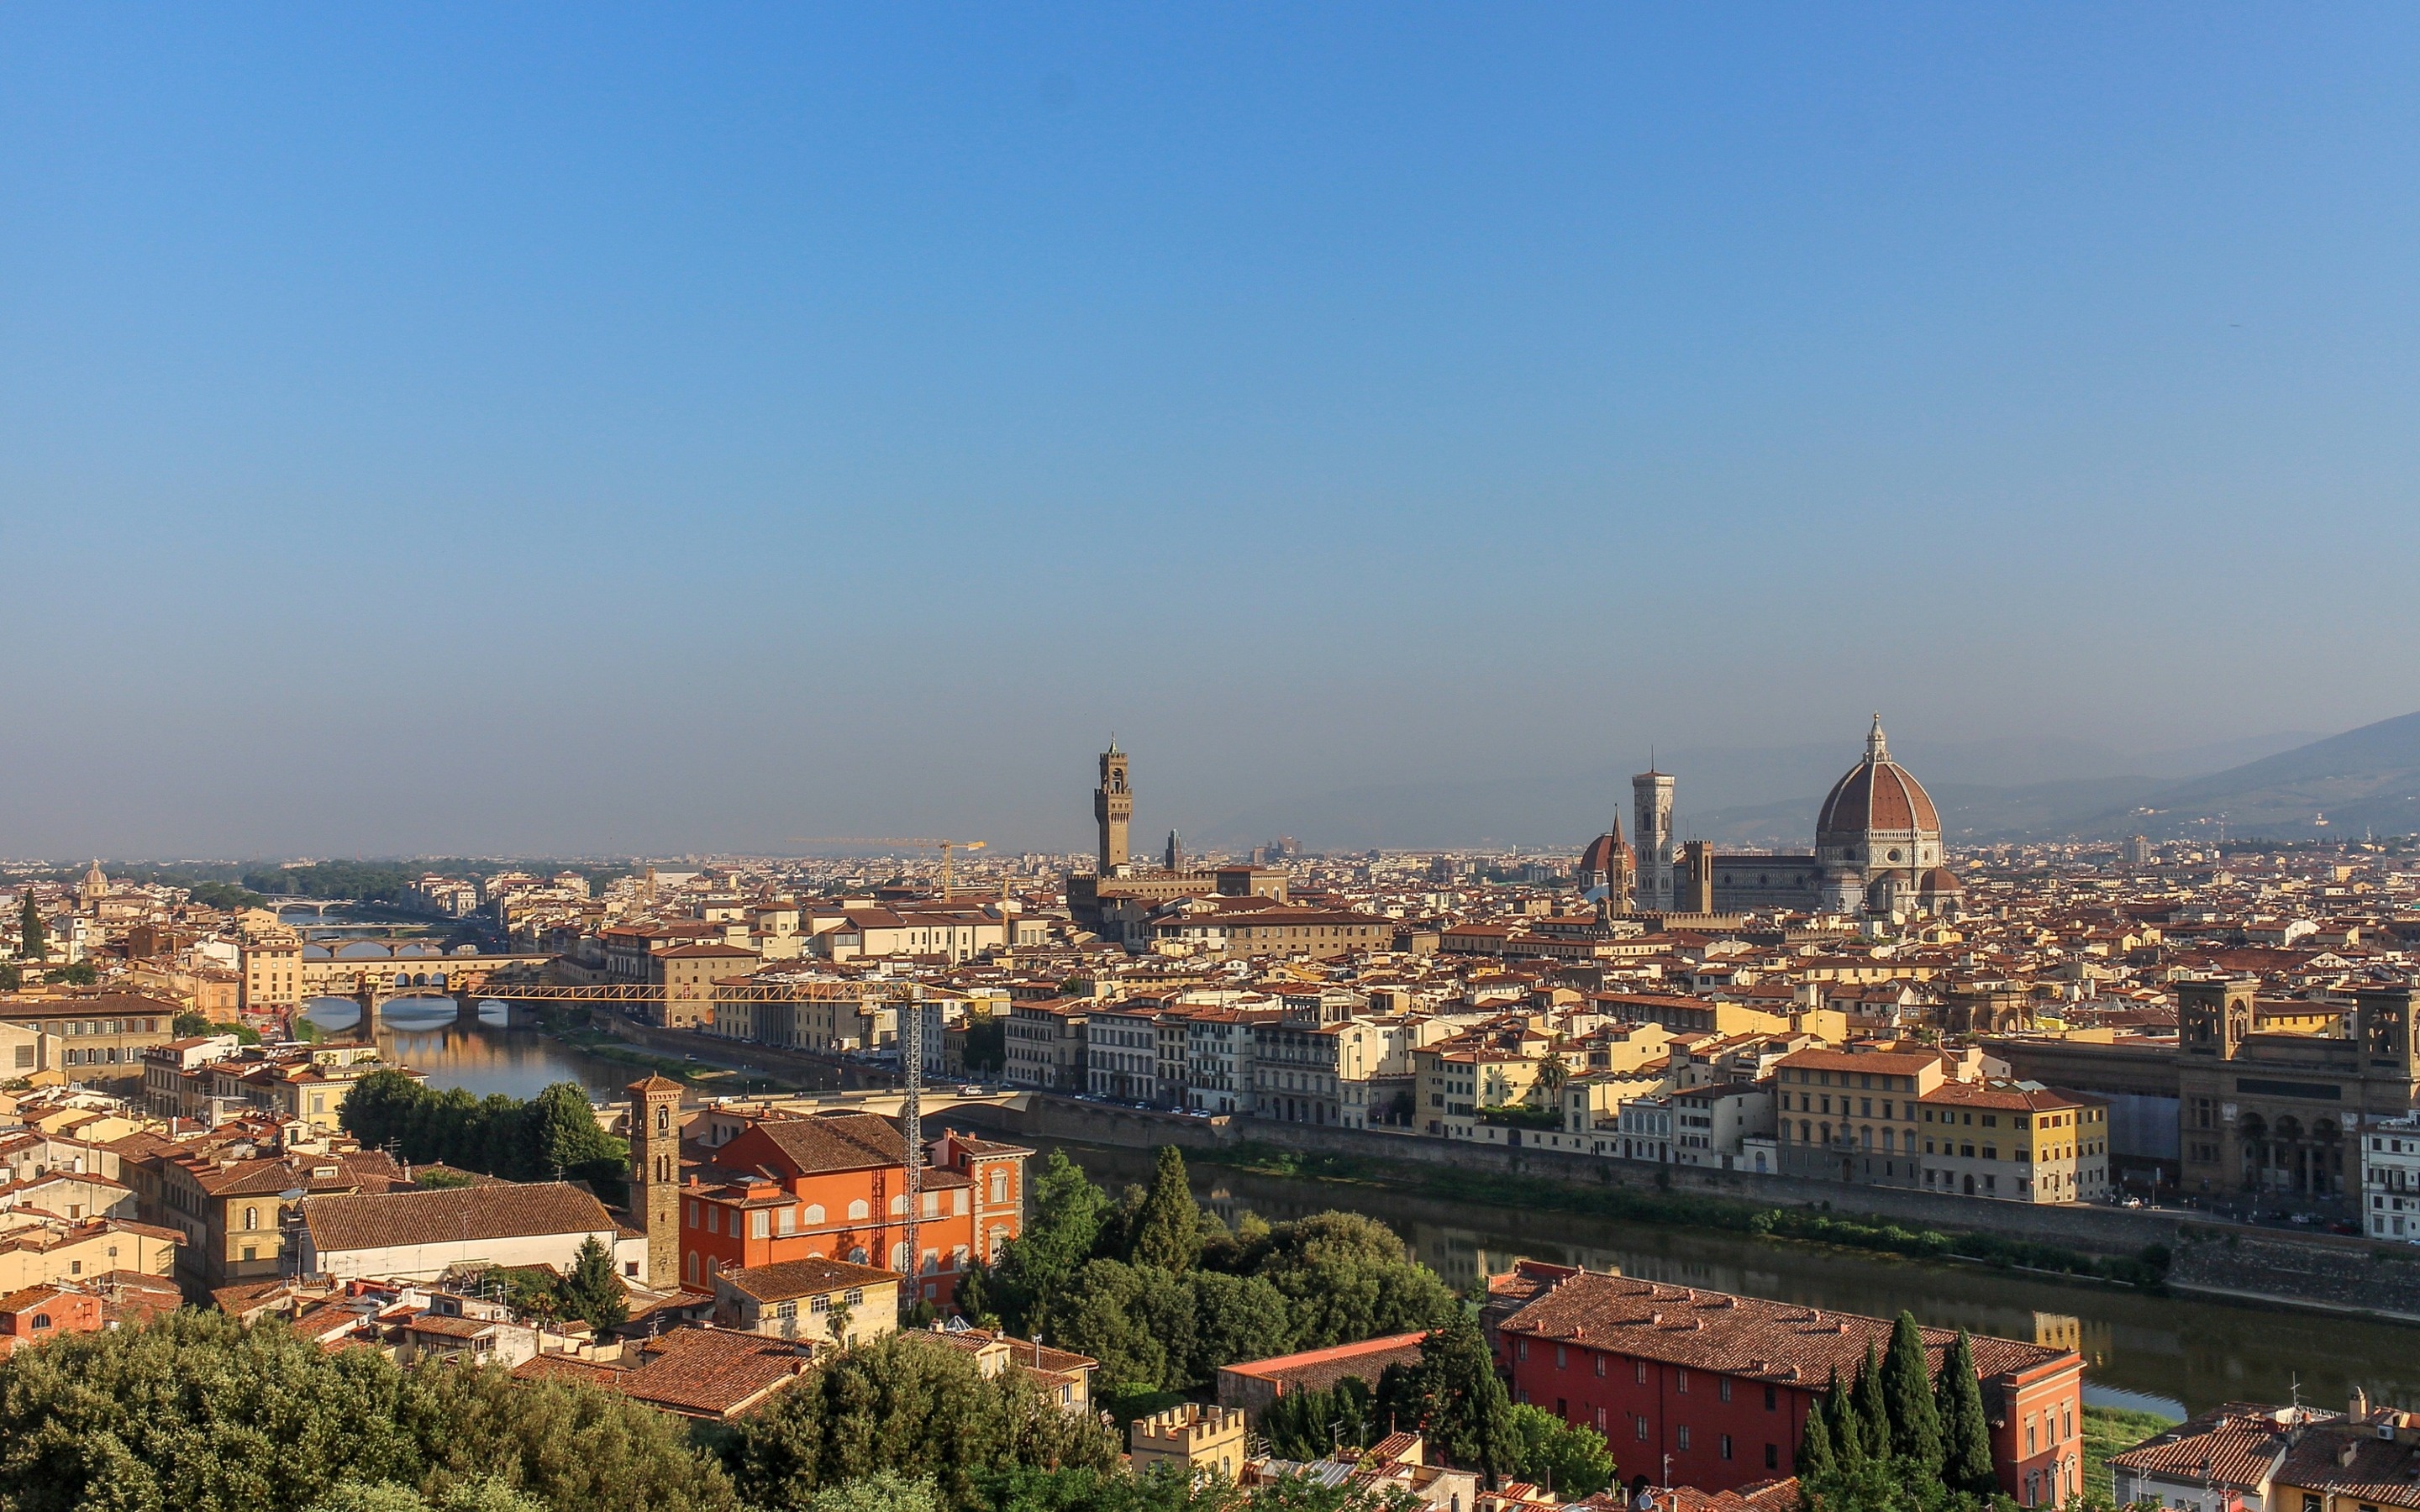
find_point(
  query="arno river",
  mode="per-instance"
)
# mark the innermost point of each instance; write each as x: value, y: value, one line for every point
x: 2167, y: 1353
x: 422, y: 1033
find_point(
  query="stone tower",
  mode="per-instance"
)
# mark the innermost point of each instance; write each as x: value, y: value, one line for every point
x: 1113, y: 808
x: 1651, y: 794
x: 2214, y: 1014
x: 654, y: 1175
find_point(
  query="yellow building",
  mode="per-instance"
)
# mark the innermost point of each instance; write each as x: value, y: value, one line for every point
x: 2016, y: 1141
x: 1199, y: 1439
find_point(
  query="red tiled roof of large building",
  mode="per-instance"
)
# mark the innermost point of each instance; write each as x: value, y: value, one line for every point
x: 1723, y: 1333
x: 1318, y: 1369
x: 697, y: 1372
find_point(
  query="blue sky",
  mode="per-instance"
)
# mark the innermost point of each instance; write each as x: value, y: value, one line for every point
x: 587, y: 429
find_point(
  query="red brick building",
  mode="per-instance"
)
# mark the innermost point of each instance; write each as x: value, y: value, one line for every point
x: 834, y: 1187
x: 1707, y: 1389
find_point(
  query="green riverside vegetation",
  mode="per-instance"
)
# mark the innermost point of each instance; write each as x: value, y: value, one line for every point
x: 552, y: 1137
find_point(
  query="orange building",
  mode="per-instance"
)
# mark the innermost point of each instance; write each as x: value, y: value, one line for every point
x: 833, y: 1186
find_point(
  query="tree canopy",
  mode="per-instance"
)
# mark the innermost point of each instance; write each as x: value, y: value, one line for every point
x: 911, y: 1404
x: 200, y: 1413
x: 552, y: 1137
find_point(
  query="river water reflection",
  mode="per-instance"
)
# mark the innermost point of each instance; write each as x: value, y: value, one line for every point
x: 2171, y: 1354
x: 424, y: 1034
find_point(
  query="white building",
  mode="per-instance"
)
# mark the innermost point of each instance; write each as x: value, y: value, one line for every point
x: 1710, y: 1123
x: 2390, y: 1177
x: 1646, y: 1128
x: 425, y: 1235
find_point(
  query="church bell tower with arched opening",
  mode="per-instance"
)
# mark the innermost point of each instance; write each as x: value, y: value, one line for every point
x: 654, y: 1175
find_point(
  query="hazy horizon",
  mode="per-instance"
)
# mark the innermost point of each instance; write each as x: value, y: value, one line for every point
x: 574, y: 432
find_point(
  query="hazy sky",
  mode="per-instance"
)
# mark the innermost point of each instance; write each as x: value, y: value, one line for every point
x: 686, y: 427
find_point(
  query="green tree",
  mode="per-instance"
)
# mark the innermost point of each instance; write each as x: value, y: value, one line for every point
x: 1308, y: 1423
x: 906, y: 1403
x: 1573, y: 1460
x: 199, y: 1412
x: 1069, y: 1212
x: 78, y: 973
x: 593, y: 1291
x: 1348, y: 1277
x: 1136, y: 1319
x: 1965, y: 1432
x: 1848, y: 1433
x: 1815, y: 1458
x: 1235, y: 1317
x: 986, y: 1051
x: 1907, y: 1392
x: 1872, y: 1412
x: 885, y: 1491
x: 1466, y: 1412
x: 1168, y: 1229
x: 32, y: 943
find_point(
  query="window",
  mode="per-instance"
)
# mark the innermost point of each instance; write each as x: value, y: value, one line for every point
x: 853, y: 1297
x: 1681, y: 1381
x: 1639, y: 1371
x: 858, y: 1209
x: 1772, y: 1456
x: 760, y: 1223
x: 1600, y: 1364
x: 1723, y: 1388
x: 789, y: 1221
x: 714, y: 1219
x: 1726, y: 1446
x: 1562, y: 1357
x: 1681, y: 1436
x: 1638, y: 1425
x: 814, y: 1213
x: 252, y: 1218
x: 1769, y: 1398
x: 692, y: 1215
x: 818, y: 1305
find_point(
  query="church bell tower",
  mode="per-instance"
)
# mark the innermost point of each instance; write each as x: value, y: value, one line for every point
x: 654, y: 1175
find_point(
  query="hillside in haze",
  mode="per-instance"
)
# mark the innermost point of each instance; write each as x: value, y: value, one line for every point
x: 1765, y: 797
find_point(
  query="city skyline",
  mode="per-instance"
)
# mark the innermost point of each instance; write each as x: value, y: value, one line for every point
x: 575, y: 432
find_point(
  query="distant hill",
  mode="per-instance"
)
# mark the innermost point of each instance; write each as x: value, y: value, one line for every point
x: 2329, y: 789
x: 2368, y: 776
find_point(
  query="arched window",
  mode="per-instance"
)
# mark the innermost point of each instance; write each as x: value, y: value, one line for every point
x: 252, y: 1218
x: 663, y: 1118
x: 899, y: 1205
x: 858, y: 1209
x: 814, y: 1213
x: 899, y: 1256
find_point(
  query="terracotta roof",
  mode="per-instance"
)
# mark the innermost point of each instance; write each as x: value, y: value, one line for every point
x: 839, y: 1142
x: 385, y: 1219
x: 791, y: 1279
x: 1877, y: 794
x: 2351, y: 1460
x: 1719, y: 1331
x: 2239, y: 1444
x: 711, y: 1372
x: 1319, y: 1369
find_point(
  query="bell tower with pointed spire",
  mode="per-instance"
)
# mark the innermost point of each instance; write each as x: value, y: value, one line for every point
x: 1113, y: 810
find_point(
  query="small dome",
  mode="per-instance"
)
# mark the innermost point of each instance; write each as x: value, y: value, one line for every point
x: 1877, y: 793
x: 1940, y: 881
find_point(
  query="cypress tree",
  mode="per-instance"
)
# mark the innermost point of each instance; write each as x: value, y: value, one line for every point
x: 1873, y: 1412
x: 30, y: 943
x: 1907, y: 1392
x: 1965, y: 1433
x: 1847, y: 1435
x: 1815, y: 1460
x: 1168, y: 1225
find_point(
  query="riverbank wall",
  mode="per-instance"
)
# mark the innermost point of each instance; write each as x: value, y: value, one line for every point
x: 814, y: 1073
x: 2089, y: 1230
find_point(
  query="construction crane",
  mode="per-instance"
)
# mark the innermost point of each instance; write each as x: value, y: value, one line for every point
x: 947, y: 846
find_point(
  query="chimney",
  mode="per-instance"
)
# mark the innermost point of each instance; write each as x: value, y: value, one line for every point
x: 2358, y: 1408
